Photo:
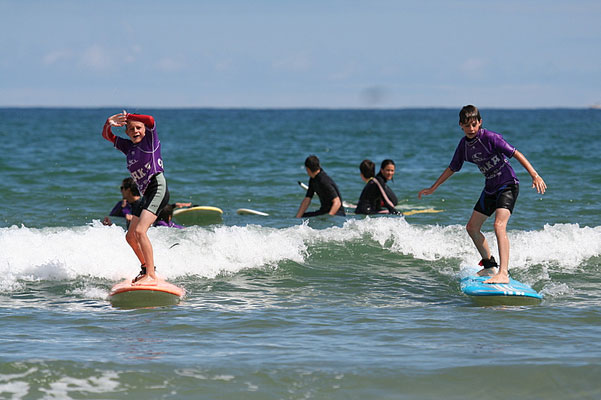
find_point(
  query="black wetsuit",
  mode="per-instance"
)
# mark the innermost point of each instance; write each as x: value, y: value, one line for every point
x: 391, y: 196
x: 371, y: 200
x: 327, y: 191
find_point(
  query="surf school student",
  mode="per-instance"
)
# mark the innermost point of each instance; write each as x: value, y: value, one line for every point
x: 326, y: 189
x: 386, y: 174
x: 131, y: 198
x: 490, y: 152
x: 144, y: 162
x: 373, y: 194
x: 165, y: 217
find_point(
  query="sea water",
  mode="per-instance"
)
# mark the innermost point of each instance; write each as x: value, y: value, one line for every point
x: 281, y: 308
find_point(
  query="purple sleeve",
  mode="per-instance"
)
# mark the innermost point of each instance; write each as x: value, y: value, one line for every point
x: 117, y: 211
x: 123, y: 144
x: 151, y: 138
x: 501, y: 145
x: 458, y: 157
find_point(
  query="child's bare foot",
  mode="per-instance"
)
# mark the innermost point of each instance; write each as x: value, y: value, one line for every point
x: 488, y: 271
x: 146, y: 280
x: 498, y: 278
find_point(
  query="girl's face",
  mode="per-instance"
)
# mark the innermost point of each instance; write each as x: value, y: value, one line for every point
x: 471, y: 128
x: 135, y: 130
x: 388, y: 172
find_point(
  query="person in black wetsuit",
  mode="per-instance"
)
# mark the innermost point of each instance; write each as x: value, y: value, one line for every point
x: 373, y: 194
x: 326, y: 189
x: 386, y: 174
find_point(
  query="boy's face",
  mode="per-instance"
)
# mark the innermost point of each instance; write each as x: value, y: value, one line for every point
x: 135, y: 130
x: 471, y: 128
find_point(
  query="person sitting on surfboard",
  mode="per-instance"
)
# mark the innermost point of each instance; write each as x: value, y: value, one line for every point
x: 490, y: 152
x: 144, y: 162
x: 326, y: 189
x: 386, y: 174
x: 123, y: 208
x: 373, y: 194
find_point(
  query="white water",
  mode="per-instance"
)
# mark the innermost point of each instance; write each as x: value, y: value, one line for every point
x: 98, y: 251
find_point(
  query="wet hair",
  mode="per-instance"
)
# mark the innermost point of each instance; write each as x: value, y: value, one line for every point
x: 367, y: 168
x: 387, y: 162
x: 166, y: 213
x: 128, y: 183
x: 312, y: 162
x: 469, y: 113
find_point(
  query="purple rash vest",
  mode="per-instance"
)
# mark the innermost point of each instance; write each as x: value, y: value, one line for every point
x: 490, y: 152
x: 143, y: 159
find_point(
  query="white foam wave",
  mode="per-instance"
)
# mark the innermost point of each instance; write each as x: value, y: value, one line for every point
x: 566, y: 246
x: 99, y: 251
x: 102, y: 252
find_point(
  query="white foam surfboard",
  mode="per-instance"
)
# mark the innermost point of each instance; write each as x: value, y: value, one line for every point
x: 248, y: 211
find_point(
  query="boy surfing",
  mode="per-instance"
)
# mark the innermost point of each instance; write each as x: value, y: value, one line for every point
x: 144, y: 162
x: 490, y: 152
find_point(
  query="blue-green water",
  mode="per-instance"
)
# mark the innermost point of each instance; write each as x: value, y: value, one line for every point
x: 278, y: 308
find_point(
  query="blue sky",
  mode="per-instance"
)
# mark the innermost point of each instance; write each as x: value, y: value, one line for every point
x: 333, y: 54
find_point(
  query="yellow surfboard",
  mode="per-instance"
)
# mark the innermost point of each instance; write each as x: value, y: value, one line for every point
x: 198, y: 215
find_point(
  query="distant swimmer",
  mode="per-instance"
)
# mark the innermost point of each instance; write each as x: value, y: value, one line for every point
x: 144, y: 162
x: 490, y: 152
x: 326, y: 189
x: 373, y: 194
x: 124, y: 207
x: 386, y: 174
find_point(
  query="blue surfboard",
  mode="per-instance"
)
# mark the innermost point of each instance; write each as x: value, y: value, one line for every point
x: 514, y: 292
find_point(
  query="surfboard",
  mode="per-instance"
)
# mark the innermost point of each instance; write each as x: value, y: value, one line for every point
x: 248, y: 211
x: 198, y: 215
x: 125, y: 294
x: 514, y: 292
x: 421, y: 211
x: 351, y: 208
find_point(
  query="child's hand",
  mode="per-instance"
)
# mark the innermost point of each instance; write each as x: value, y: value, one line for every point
x: 425, y: 192
x: 118, y: 119
x: 539, y: 184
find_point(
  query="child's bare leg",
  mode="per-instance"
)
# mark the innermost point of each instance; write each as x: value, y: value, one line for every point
x: 131, y: 239
x: 474, y: 226
x: 501, y: 218
x: 146, y: 220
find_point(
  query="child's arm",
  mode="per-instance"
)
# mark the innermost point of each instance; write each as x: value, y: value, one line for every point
x: 443, y: 177
x: 303, y: 207
x: 537, y: 181
x: 114, y: 120
x: 336, y: 204
x: 148, y: 120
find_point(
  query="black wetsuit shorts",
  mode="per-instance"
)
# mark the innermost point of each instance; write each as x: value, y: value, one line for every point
x: 155, y: 198
x: 505, y: 197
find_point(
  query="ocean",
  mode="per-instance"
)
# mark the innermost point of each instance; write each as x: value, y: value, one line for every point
x: 282, y: 308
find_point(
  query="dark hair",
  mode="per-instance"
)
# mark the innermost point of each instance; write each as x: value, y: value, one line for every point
x: 165, y: 214
x: 469, y: 113
x: 128, y: 183
x: 367, y: 168
x: 312, y: 162
x: 386, y: 162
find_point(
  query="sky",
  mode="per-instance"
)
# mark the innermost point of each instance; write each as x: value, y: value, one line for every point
x: 300, y: 54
